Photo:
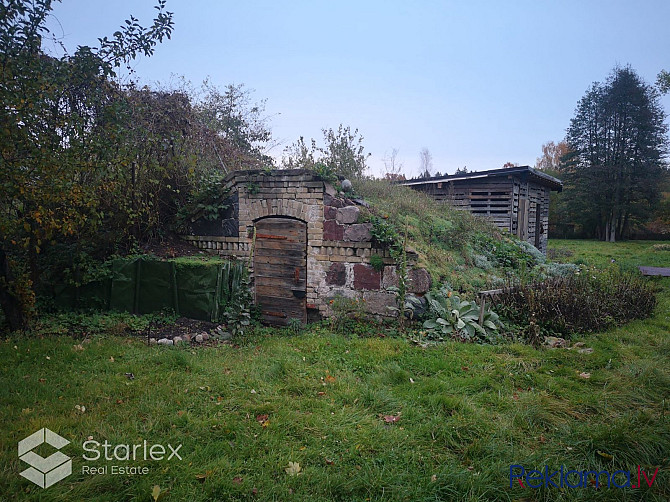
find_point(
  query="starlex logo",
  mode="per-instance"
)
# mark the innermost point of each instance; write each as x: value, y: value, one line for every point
x: 45, y: 472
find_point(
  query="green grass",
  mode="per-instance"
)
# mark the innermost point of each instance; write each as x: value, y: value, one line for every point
x: 467, y: 412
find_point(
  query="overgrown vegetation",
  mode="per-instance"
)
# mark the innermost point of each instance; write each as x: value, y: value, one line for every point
x: 589, y: 301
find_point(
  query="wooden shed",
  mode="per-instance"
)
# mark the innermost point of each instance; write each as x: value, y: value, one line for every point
x: 515, y: 199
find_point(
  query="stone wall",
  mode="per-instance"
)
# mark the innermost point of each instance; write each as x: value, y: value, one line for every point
x: 339, y: 245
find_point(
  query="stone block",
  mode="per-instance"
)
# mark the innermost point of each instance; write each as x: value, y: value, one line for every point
x: 357, y: 232
x: 347, y: 215
x: 332, y: 231
x: 329, y: 200
x: 366, y: 277
x: 378, y: 303
x: 419, y: 280
x: 390, y: 277
x: 336, y: 275
x: 329, y: 212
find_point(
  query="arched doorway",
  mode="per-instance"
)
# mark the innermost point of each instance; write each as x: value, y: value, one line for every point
x: 280, y: 269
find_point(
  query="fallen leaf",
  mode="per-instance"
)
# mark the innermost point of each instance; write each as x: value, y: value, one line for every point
x: 203, y: 477
x: 42, y: 380
x: 237, y: 480
x: 48, y: 358
x: 78, y: 347
x: 180, y: 413
x: 262, y: 418
x: 433, y: 478
x: 320, y: 393
x: 253, y: 391
x: 156, y: 492
x: 130, y: 376
x: 293, y: 469
x: 111, y: 359
x: 329, y: 462
x: 604, y: 455
x: 585, y: 375
x: 411, y: 380
x: 330, y: 378
x: 390, y: 419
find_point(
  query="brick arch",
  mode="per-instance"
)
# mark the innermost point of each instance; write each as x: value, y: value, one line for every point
x: 284, y: 207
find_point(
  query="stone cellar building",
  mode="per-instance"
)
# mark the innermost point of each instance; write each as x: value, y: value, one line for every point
x: 305, y: 243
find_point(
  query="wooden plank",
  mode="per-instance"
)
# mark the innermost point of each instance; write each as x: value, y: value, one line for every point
x: 655, y: 271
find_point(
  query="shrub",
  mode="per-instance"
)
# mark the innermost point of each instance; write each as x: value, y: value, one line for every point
x: 585, y: 302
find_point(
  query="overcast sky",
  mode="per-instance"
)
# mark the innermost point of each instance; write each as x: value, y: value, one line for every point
x: 478, y: 83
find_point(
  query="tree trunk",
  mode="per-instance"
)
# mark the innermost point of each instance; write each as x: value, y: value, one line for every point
x: 11, y: 305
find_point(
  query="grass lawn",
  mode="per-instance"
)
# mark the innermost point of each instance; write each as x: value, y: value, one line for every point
x: 358, y: 418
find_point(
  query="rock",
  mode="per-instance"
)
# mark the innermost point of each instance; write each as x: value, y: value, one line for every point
x: 187, y: 338
x: 332, y: 231
x: 346, y: 185
x: 329, y: 212
x: 152, y: 341
x: 177, y: 339
x: 555, y: 342
x: 205, y: 336
x: 347, y: 215
x: 329, y: 200
x: 390, y: 277
x: 419, y: 307
x: 226, y: 336
x: 336, y: 275
x: 377, y: 302
x: 165, y: 341
x: 361, y: 202
x: 366, y: 277
x: 199, y: 338
x: 359, y: 232
x: 419, y: 280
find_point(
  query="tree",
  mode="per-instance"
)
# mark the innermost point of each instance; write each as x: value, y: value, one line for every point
x: 343, y: 153
x: 552, y: 153
x: 617, y: 141
x: 663, y: 82
x: 426, y: 162
x: 60, y: 121
x: 393, y: 166
x: 239, y: 122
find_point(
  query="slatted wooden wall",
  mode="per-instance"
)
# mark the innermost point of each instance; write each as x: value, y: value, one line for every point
x: 510, y: 203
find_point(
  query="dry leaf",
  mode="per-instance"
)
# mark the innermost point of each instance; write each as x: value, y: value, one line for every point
x: 585, y: 375
x: 411, y: 380
x: 330, y: 378
x: 604, y: 455
x: 111, y: 359
x: 433, y: 478
x: 390, y: 419
x: 293, y: 469
x: 156, y: 492
x: 237, y: 480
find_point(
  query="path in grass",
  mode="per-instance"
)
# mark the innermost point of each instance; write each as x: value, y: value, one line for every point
x: 466, y: 413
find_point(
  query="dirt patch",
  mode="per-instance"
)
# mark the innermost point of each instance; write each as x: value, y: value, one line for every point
x: 171, y: 246
x: 182, y: 326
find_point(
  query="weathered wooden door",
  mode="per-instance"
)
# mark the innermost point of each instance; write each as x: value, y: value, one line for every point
x: 280, y: 269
